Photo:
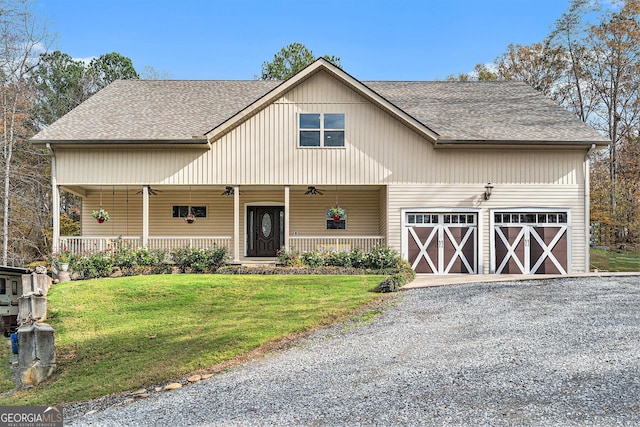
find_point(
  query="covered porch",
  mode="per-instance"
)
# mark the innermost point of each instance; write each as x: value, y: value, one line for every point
x: 252, y: 221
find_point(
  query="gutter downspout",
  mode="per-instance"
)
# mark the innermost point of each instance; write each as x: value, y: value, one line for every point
x: 587, y: 207
x: 55, y: 200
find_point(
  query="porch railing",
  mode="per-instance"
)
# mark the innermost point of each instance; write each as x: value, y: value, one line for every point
x: 334, y: 244
x: 201, y: 242
x: 88, y: 244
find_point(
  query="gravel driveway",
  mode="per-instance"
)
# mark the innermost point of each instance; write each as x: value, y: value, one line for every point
x: 546, y: 352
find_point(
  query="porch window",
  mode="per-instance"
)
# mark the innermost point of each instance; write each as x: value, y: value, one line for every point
x: 332, y: 224
x: 181, y: 211
x: 322, y: 130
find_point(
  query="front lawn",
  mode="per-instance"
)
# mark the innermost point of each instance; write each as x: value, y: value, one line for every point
x: 121, y: 334
x: 608, y: 260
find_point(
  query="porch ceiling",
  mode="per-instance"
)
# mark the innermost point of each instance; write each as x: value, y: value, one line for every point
x: 83, y: 190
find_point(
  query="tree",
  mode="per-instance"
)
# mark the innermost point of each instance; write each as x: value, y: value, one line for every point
x: 539, y: 65
x: 480, y: 73
x: 289, y: 61
x: 22, y: 39
x: 60, y: 84
x: 108, y: 68
x: 593, y: 70
x: 150, y: 73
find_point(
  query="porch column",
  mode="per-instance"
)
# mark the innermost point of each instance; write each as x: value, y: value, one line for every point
x: 55, y: 199
x: 236, y: 224
x: 145, y: 216
x: 286, y: 218
x: 56, y: 215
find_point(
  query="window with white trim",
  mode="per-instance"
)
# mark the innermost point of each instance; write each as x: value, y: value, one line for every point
x: 321, y: 130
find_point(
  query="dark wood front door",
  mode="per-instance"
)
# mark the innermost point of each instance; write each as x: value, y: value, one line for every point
x: 265, y: 230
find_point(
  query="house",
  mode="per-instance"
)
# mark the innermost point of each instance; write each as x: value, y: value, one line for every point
x: 460, y: 177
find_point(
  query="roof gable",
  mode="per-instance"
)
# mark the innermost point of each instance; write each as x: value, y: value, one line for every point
x: 322, y: 65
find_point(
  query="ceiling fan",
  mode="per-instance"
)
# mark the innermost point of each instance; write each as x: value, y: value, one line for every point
x: 151, y: 191
x: 313, y: 191
x: 228, y: 191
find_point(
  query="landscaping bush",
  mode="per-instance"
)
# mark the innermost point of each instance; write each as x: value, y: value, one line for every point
x: 289, y: 258
x: 381, y: 257
x: 357, y: 258
x: 338, y: 259
x: 313, y: 259
x: 141, y: 261
x: 394, y: 282
x: 189, y: 260
x: 92, y: 265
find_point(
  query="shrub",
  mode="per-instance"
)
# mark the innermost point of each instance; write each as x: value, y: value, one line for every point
x: 393, y: 283
x: 140, y: 261
x: 381, y: 257
x: 93, y: 265
x: 290, y: 258
x: 358, y: 258
x: 190, y: 260
x: 312, y: 259
x: 338, y: 259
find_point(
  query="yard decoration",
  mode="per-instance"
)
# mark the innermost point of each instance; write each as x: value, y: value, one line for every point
x: 100, y: 215
x: 337, y: 213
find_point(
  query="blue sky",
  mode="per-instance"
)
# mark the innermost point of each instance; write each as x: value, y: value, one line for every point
x: 375, y: 39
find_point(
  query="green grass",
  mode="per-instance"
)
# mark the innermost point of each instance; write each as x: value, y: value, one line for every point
x: 602, y: 259
x: 119, y: 334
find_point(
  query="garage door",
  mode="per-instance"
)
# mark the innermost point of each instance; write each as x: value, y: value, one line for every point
x: 530, y: 243
x: 442, y: 243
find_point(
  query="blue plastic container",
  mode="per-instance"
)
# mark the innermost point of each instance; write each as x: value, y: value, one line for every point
x: 14, y: 343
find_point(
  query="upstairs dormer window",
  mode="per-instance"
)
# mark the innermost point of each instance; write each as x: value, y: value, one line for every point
x: 322, y: 130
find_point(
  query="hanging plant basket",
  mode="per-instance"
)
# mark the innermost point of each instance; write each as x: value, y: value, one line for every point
x: 337, y: 213
x: 100, y: 216
x: 190, y: 218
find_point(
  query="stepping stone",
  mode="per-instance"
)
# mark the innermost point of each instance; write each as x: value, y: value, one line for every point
x: 194, y: 378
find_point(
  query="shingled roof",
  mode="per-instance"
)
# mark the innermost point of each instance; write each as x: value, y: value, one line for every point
x: 147, y: 111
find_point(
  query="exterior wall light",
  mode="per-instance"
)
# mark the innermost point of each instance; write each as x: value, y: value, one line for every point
x: 487, y: 190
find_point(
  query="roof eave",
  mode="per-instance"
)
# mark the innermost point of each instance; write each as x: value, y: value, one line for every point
x: 467, y: 143
x: 194, y: 142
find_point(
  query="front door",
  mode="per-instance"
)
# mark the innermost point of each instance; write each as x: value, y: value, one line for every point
x: 265, y: 230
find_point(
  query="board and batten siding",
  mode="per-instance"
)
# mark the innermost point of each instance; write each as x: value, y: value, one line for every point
x: 264, y: 150
x: 504, y: 196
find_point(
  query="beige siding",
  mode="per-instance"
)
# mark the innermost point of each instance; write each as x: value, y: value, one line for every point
x: 126, y: 217
x: 263, y: 150
x: 379, y: 152
x: 307, y: 213
x: 504, y: 196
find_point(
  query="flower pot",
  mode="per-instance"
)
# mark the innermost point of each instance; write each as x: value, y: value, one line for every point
x: 336, y: 218
x: 190, y: 220
x: 64, y: 266
x: 100, y: 220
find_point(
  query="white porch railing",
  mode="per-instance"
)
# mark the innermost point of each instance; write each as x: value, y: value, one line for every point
x: 200, y: 242
x: 88, y: 244
x: 334, y: 244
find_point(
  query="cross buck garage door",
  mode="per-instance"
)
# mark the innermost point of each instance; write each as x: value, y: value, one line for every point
x: 442, y: 243
x: 530, y: 242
